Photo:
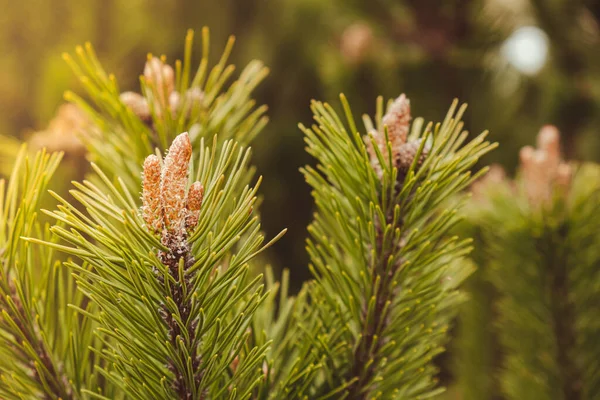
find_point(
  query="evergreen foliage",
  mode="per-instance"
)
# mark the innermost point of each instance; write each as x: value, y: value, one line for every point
x: 539, y: 254
x: 386, y: 268
x: 173, y: 316
x: 128, y: 126
x: 135, y: 329
x: 292, y: 362
x: 45, y: 345
x: 158, y: 300
x: 146, y: 281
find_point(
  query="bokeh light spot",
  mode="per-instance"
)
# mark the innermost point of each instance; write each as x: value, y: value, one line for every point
x: 526, y: 49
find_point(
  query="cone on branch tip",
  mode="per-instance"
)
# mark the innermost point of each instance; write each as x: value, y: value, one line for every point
x: 167, y: 208
x: 160, y: 80
x: 397, y: 120
x: 543, y: 171
x: 152, y: 203
x: 397, y: 123
x: 162, y: 77
x: 407, y: 153
x: 194, y: 202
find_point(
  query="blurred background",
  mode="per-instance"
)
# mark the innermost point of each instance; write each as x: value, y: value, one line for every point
x: 518, y: 63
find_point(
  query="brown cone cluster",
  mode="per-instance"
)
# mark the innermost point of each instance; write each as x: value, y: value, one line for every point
x: 167, y: 207
x: 160, y: 77
x: 542, y: 169
x: 397, y: 122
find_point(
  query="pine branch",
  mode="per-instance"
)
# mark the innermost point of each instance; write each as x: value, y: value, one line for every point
x: 126, y: 127
x: 52, y: 381
x: 386, y: 267
x: 174, y: 298
x: 540, y: 235
x: 197, y: 342
x: 562, y: 311
x: 29, y: 367
x: 584, y: 239
x: 291, y: 325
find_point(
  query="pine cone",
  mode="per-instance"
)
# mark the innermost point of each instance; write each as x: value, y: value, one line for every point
x: 542, y: 169
x: 151, y: 199
x: 397, y: 119
x: 406, y: 154
x: 161, y: 76
x: 194, y: 202
x: 174, y: 182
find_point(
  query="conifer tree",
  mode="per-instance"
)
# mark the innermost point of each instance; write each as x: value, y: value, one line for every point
x: 386, y: 268
x: 174, y: 300
x: 127, y: 126
x: 120, y: 348
x: 539, y: 254
x: 157, y: 299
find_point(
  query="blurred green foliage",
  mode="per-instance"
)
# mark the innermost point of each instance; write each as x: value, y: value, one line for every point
x: 433, y: 51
